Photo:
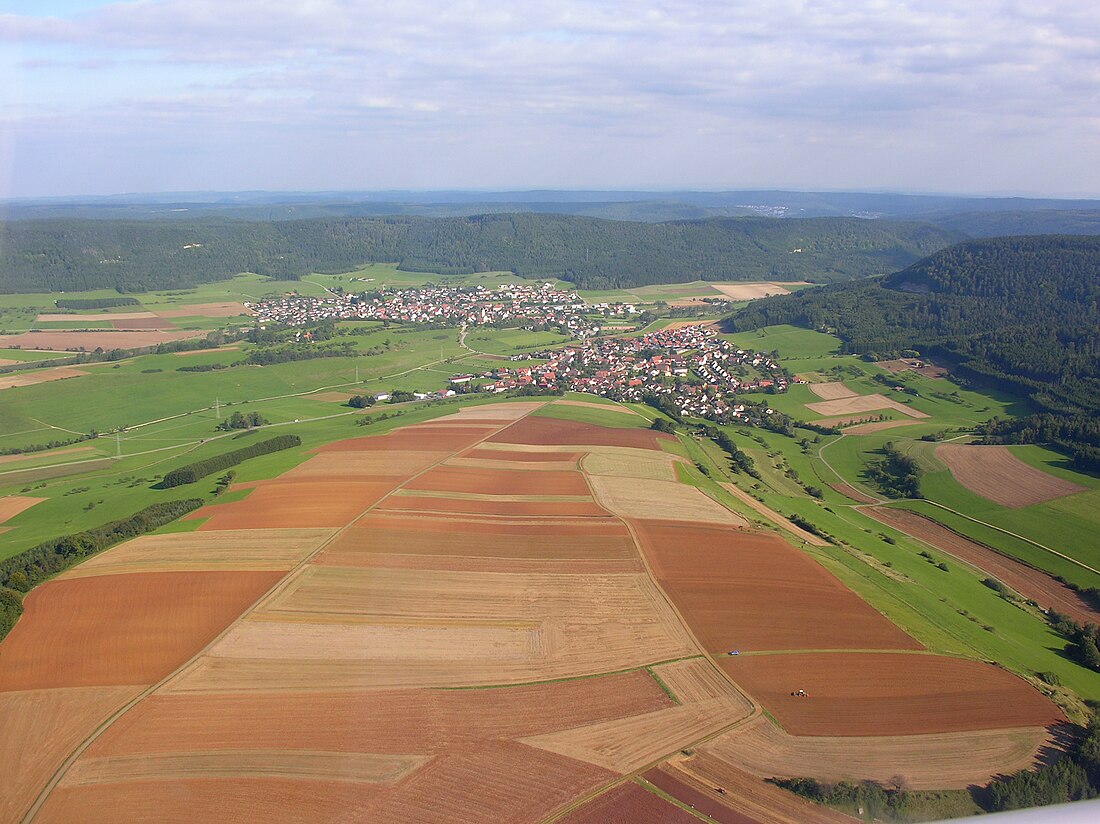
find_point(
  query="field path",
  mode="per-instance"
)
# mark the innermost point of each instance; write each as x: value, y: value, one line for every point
x: 272, y: 593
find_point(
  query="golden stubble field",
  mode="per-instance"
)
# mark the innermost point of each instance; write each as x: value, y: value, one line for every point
x: 320, y: 650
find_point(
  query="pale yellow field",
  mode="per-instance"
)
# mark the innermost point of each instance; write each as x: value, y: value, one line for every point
x: 606, y: 407
x: 750, y: 291
x: 382, y: 463
x: 832, y: 391
x: 244, y: 549
x: 863, y: 403
x: 663, y: 500
x: 632, y: 463
x: 525, y: 466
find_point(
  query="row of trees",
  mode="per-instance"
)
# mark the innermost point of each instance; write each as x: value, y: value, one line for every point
x: 192, y: 472
x: 95, y: 303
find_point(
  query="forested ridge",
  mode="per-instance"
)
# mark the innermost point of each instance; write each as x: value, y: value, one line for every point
x: 134, y: 255
x: 1023, y: 312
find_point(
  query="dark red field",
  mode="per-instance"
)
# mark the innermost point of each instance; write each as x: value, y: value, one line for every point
x: 889, y: 693
x: 299, y: 503
x: 515, y: 455
x: 558, y: 432
x: 697, y: 800
x: 501, y: 481
x: 752, y: 592
x: 629, y: 804
x: 122, y: 629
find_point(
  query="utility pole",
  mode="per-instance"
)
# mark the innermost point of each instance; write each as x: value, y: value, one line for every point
x: 118, y: 444
x: 357, y: 373
x: 217, y: 409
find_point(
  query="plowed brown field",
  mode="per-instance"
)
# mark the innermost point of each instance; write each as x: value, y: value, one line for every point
x: 12, y: 505
x: 29, y: 377
x: 142, y: 323
x: 420, y: 721
x: 525, y: 457
x: 927, y: 762
x: 999, y: 476
x: 91, y: 340
x: 501, y: 481
x: 629, y: 804
x: 226, y: 309
x: 122, y: 629
x: 501, y: 506
x: 889, y: 693
x: 560, y: 432
x: 849, y: 491
x: 756, y: 592
x: 38, y: 729
x: 296, y: 504
x: 708, y: 803
x: 1031, y: 583
x: 423, y: 438
x: 364, y: 465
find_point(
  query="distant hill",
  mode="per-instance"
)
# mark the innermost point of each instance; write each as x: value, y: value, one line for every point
x: 592, y: 253
x: 1029, y: 222
x: 1023, y: 312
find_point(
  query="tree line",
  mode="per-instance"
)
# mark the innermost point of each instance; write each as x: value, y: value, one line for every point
x: 193, y: 472
x: 135, y: 255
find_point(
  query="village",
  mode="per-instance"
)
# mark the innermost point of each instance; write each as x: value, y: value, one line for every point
x: 542, y: 307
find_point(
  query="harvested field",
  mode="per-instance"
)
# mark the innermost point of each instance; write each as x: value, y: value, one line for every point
x: 497, y: 411
x: 233, y: 347
x: 30, y: 377
x: 494, y: 452
x: 865, y: 694
x: 1031, y: 583
x: 628, y: 803
x: 225, y: 309
x: 66, y: 317
x: 38, y: 729
x: 142, y: 323
x: 44, y: 454
x: 419, y: 720
x: 773, y: 516
x: 926, y: 368
x: 953, y: 760
x: 365, y: 465
x: 604, y: 407
x: 446, y: 629
x: 754, y: 592
x: 705, y: 800
x: 849, y: 491
x: 122, y: 629
x: 877, y: 426
x: 492, y: 505
x: 670, y: 500
x: 832, y: 391
x: 292, y: 504
x: 12, y: 505
x: 999, y: 476
x: 501, y: 482
x: 416, y: 439
x: 747, y: 798
x: 330, y: 397
x: 543, y: 431
x: 466, y: 563
x: 863, y: 403
x: 62, y: 340
x: 249, y: 549
x: 304, y: 765
x: 750, y: 291
x: 632, y: 463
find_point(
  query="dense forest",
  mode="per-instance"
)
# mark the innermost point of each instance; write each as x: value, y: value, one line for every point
x: 133, y: 255
x: 1022, y: 313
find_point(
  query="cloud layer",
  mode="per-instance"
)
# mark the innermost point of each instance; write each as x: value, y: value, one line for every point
x: 195, y: 94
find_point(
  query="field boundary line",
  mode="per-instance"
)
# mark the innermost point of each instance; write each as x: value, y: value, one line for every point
x: 292, y: 574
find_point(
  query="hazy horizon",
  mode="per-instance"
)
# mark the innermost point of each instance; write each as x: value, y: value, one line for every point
x: 157, y: 96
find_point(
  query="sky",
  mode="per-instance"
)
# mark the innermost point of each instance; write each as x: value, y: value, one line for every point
x: 980, y: 97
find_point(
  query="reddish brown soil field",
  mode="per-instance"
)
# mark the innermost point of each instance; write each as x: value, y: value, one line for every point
x: 447, y: 439
x: 629, y: 804
x: 142, y: 323
x: 501, y: 481
x: 29, y: 377
x: 704, y: 803
x: 90, y: 340
x: 850, y: 491
x: 287, y: 504
x: 1031, y: 583
x: 889, y: 693
x: 515, y: 455
x: 532, y: 529
x: 560, y: 432
x: 464, y: 563
x: 756, y: 592
x: 400, y: 721
x: 999, y: 476
x: 412, y: 503
x: 122, y: 629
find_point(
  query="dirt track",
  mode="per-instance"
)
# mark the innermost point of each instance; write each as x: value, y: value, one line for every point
x: 999, y: 476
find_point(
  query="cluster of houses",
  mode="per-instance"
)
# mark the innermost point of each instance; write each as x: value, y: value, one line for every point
x: 696, y: 370
x: 534, y: 306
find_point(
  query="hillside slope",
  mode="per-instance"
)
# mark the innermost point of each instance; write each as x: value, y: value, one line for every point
x: 132, y: 255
